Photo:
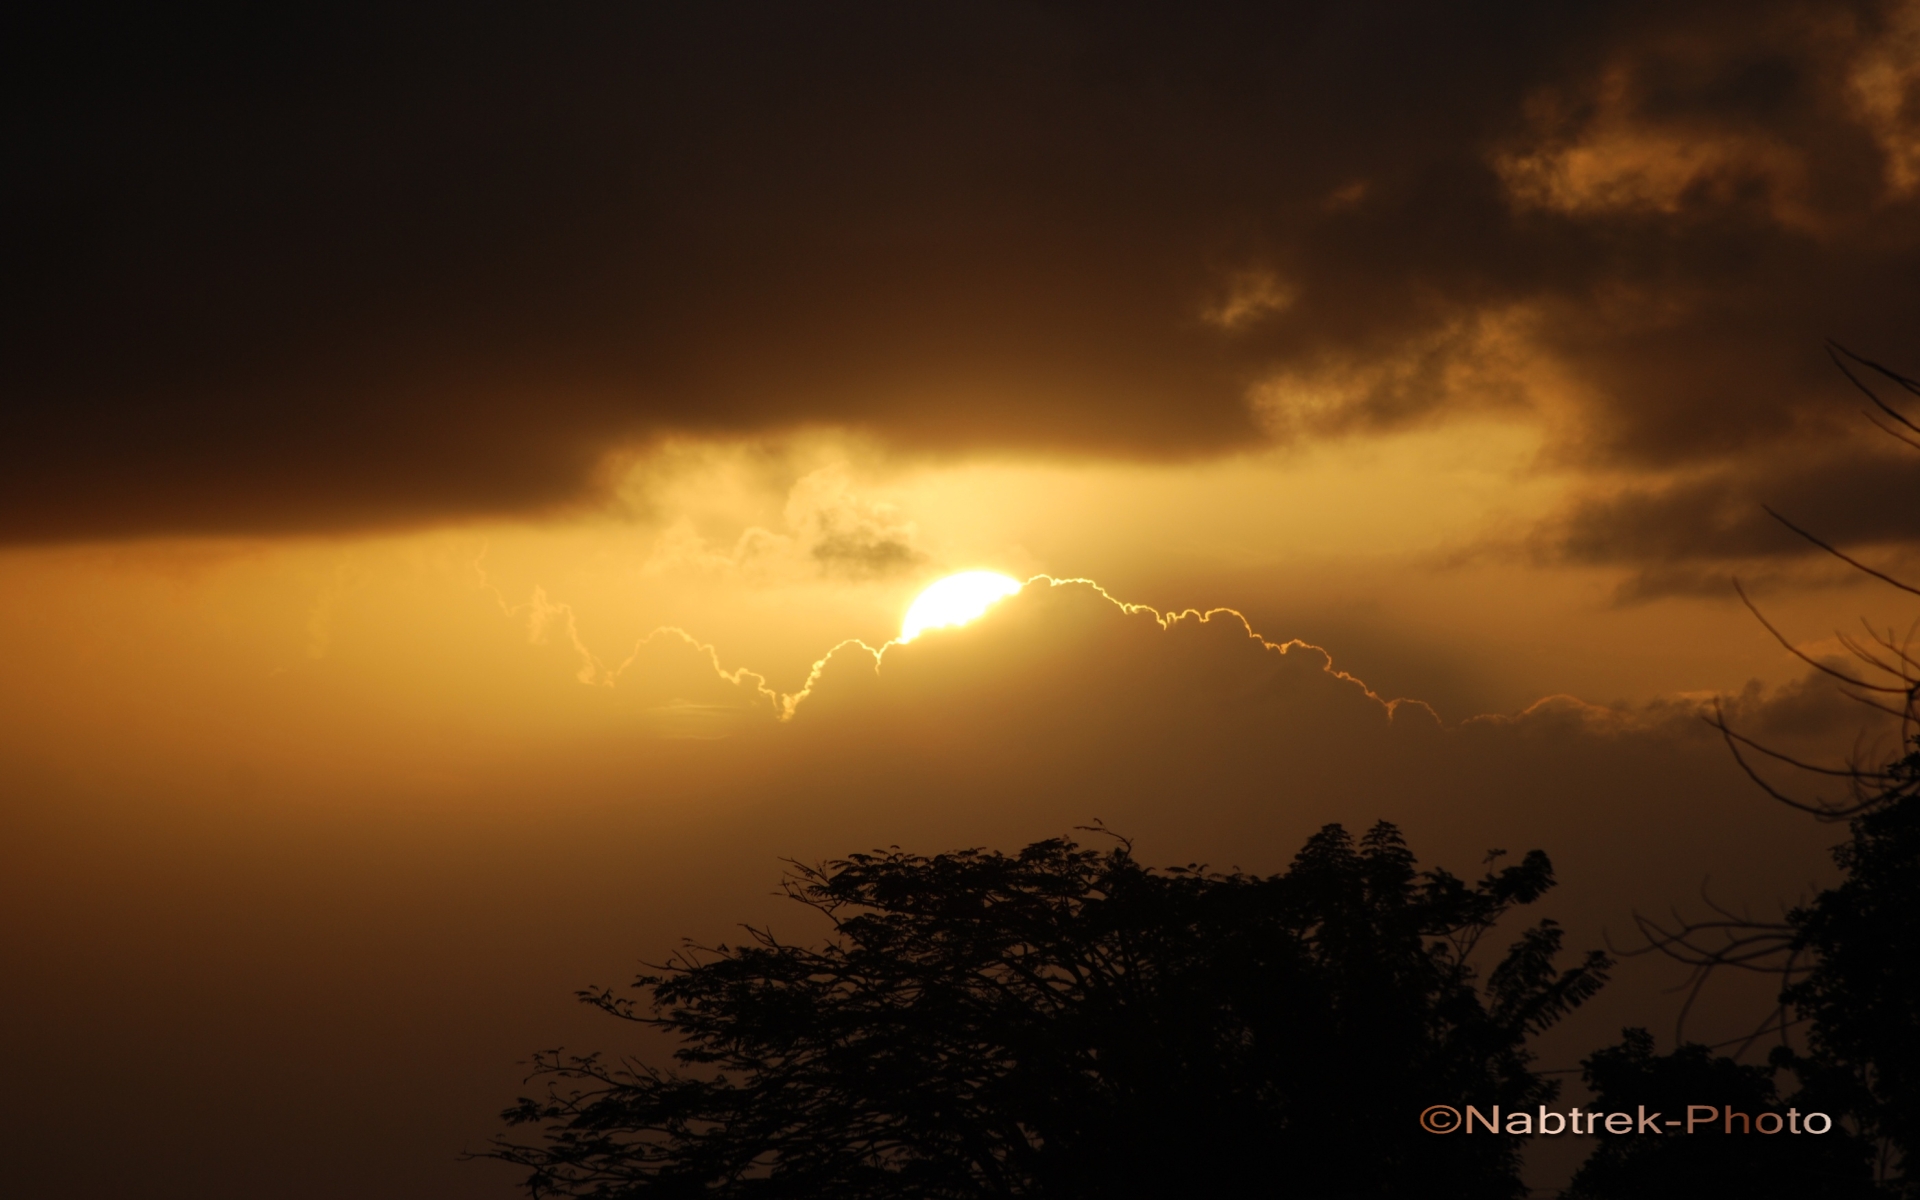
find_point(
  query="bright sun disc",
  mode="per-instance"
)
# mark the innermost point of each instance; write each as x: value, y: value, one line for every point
x: 956, y: 600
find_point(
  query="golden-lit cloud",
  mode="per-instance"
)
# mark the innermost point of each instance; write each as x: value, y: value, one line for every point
x: 1610, y: 153
x: 1478, y: 362
x: 1884, y: 81
x: 1252, y: 294
x: 824, y: 528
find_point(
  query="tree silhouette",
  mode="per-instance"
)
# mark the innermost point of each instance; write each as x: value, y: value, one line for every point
x: 1064, y: 1022
x: 1711, y: 1160
x: 1861, y: 996
x: 1848, y: 959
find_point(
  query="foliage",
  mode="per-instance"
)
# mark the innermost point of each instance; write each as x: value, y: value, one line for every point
x: 1067, y: 1023
x: 1710, y: 1161
x: 1862, y: 996
x: 1848, y: 960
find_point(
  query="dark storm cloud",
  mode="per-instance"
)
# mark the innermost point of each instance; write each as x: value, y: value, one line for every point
x: 282, y: 271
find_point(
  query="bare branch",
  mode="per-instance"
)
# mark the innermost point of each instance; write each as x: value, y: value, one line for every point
x: 1719, y: 722
x: 1824, y: 810
x: 1802, y: 655
x: 1910, y: 385
x: 1855, y: 563
x: 1904, y: 439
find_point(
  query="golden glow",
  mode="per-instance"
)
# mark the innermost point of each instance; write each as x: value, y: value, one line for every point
x: 956, y: 600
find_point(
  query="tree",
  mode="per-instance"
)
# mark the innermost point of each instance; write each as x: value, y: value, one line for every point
x: 1712, y: 1160
x: 1849, y: 958
x: 1064, y: 1022
x: 1861, y: 995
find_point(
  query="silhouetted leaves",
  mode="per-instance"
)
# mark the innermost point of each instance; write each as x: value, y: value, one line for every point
x: 1862, y: 996
x: 1709, y: 1161
x: 1067, y: 1023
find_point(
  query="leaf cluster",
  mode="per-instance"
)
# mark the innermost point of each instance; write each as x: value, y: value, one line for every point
x: 1710, y: 1160
x: 1065, y: 1022
x: 1861, y: 997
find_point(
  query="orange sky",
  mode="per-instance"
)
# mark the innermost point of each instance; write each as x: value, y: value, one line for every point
x: 433, y: 469
x: 353, y: 816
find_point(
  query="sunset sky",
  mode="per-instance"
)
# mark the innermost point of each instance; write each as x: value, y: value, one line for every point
x: 461, y: 470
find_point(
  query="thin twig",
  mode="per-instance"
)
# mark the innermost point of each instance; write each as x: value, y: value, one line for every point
x: 1802, y: 655
x: 1855, y: 563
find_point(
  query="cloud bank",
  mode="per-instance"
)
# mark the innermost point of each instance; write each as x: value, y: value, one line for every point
x: 362, y: 268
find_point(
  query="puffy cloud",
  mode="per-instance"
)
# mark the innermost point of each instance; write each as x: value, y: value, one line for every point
x: 1064, y: 655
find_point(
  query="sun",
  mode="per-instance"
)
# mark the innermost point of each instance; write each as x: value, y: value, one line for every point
x: 956, y: 600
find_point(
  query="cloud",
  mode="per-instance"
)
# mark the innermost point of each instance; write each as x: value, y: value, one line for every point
x: 1249, y: 296
x: 1882, y: 81
x: 829, y: 530
x: 1061, y: 651
x: 344, y: 271
x: 1696, y: 532
x: 1064, y: 683
x: 847, y: 535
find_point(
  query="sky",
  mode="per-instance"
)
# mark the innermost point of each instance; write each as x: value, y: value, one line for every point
x: 463, y: 471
